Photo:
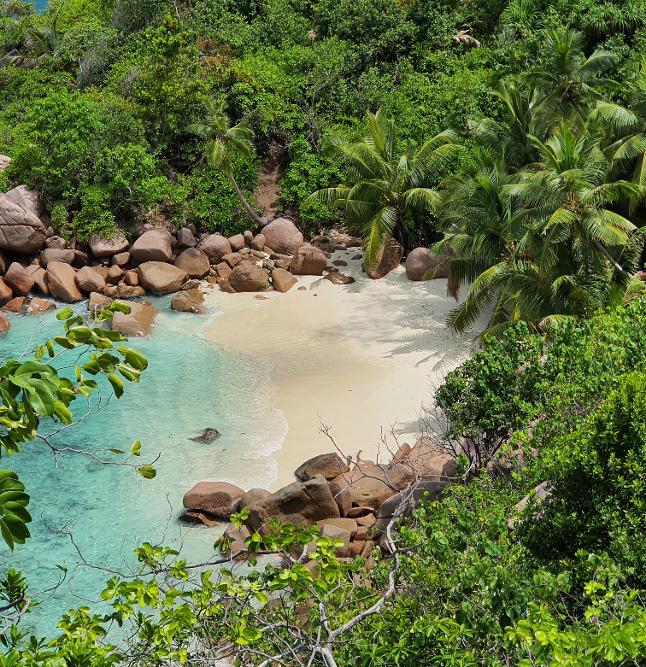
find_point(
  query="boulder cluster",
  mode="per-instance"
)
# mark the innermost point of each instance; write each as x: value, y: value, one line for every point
x: 35, y: 262
x: 350, y: 501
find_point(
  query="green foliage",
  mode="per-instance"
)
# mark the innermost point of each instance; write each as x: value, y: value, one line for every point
x: 598, y: 476
x: 386, y: 187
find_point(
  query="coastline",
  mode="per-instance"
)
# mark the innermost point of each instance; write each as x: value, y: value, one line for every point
x: 344, y: 356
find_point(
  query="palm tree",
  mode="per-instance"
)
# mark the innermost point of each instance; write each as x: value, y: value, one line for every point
x: 528, y: 112
x: 571, y: 79
x: 628, y: 151
x: 224, y: 140
x: 544, y: 244
x: 386, y: 186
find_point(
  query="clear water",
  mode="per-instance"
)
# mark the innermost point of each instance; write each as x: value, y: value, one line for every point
x: 189, y: 385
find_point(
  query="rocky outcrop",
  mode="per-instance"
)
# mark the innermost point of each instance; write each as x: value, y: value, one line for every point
x: 247, y: 277
x: 4, y: 162
x: 138, y: 322
x: 420, y: 261
x: 154, y: 245
x: 296, y: 503
x: 283, y: 236
x: 215, y: 247
x: 219, y: 499
x: 329, y: 465
x: 194, y: 262
x: 188, y: 301
x: 282, y: 280
x: 161, y: 278
x: 89, y: 280
x: 100, y: 247
x: 389, y: 258
x: 308, y: 261
x: 61, y: 279
x: 19, y: 279
x: 4, y: 325
x: 20, y: 230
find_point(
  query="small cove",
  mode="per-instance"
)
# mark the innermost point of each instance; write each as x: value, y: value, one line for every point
x: 190, y: 384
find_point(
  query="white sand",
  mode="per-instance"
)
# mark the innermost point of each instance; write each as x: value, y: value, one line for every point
x: 357, y: 358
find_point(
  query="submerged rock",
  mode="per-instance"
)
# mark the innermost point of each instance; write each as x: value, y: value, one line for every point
x: 23, y: 305
x: 207, y: 436
x: 138, y: 322
x: 4, y: 324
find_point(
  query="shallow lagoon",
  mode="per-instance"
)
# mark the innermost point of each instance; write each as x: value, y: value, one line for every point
x: 189, y: 385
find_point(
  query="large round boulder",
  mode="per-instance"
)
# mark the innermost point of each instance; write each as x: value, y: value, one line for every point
x: 308, y: 261
x: 329, y: 465
x: 90, y: 280
x: 57, y: 255
x: 282, y: 236
x: 161, y: 278
x: 194, y: 262
x: 420, y: 261
x: 247, y: 277
x: 215, y: 247
x: 154, y: 245
x: 20, y: 230
x: 18, y: 278
x: 102, y: 247
x: 27, y: 199
x: 61, y: 279
x: 299, y: 502
x: 217, y: 498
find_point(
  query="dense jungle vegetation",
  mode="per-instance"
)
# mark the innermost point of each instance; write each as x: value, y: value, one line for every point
x: 510, y: 134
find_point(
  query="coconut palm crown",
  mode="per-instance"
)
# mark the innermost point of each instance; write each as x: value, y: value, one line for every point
x: 223, y: 141
x: 384, y: 186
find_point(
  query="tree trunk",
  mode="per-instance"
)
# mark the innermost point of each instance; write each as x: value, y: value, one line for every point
x: 253, y: 216
x: 612, y: 260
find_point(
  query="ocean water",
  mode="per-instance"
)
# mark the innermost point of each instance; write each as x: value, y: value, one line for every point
x: 189, y: 385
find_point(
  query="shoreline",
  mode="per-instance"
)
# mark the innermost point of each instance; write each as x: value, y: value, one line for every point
x: 369, y: 353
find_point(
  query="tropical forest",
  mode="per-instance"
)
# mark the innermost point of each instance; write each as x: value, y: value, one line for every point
x: 322, y: 333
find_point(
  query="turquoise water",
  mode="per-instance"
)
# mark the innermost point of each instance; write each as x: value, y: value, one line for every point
x: 189, y: 385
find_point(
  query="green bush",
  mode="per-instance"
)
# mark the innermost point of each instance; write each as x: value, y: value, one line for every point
x: 598, y: 478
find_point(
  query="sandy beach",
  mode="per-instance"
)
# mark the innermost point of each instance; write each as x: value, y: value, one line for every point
x: 359, y: 359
